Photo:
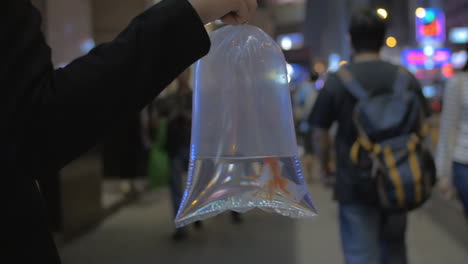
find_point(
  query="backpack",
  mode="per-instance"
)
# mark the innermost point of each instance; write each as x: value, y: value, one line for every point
x: 390, y: 144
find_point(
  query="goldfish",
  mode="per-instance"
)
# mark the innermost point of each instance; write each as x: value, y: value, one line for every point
x: 276, y: 182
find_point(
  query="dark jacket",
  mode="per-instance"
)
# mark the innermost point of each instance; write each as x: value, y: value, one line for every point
x: 48, y: 117
x: 179, y: 126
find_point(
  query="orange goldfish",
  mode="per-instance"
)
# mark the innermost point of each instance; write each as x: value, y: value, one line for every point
x: 277, y: 181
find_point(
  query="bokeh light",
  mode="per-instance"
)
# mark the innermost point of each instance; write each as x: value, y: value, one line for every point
x: 420, y: 12
x: 382, y: 13
x: 391, y: 42
x: 319, y: 67
x: 286, y: 43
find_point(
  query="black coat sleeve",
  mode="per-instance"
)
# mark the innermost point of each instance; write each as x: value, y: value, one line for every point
x: 84, y: 100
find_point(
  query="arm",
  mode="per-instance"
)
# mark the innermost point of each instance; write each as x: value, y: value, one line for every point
x: 96, y: 92
x: 321, y: 118
x: 322, y: 147
x: 448, y: 128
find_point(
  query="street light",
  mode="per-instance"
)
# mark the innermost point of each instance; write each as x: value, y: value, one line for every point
x: 382, y: 13
x: 420, y: 12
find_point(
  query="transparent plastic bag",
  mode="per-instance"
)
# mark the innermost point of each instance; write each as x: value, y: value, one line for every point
x: 243, y: 150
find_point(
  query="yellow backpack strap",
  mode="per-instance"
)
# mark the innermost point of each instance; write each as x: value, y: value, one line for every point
x: 365, y: 143
x: 377, y: 149
x: 374, y: 149
x: 425, y: 130
x: 395, y: 176
x: 354, y: 154
x: 415, y: 168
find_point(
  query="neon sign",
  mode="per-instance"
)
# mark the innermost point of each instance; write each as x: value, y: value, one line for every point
x: 430, y: 27
x: 417, y: 57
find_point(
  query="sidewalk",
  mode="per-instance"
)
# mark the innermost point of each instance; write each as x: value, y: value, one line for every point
x: 140, y: 233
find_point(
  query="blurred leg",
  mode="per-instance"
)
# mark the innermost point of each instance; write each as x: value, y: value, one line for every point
x: 178, y: 169
x: 236, y: 217
x: 308, y: 165
x: 460, y: 180
x: 198, y: 225
x: 359, y: 233
x: 175, y: 182
x: 392, y: 239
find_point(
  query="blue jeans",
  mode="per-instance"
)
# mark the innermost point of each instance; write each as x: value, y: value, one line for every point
x: 460, y: 180
x: 370, y: 236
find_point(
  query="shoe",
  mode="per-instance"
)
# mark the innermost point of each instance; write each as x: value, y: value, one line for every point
x: 179, y: 234
x: 236, y: 218
x: 198, y: 225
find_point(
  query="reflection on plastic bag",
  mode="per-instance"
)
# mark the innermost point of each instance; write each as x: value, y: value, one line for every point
x: 244, y: 150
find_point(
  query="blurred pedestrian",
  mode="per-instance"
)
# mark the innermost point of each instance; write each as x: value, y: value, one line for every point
x: 51, y: 117
x: 304, y: 102
x: 179, y: 105
x: 304, y: 97
x: 178, y: 142
x: 369, y: 234
x: 452, y: 152
x: 154, y: 138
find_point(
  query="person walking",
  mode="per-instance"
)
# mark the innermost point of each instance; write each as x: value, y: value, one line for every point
x: 369, y: 234
x: 452, y: 151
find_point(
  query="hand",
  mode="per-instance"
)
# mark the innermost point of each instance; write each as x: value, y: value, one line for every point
x: 230, y: 11
x: 446, y: 188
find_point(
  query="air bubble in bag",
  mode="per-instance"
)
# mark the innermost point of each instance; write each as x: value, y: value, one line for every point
x: 243, y: 149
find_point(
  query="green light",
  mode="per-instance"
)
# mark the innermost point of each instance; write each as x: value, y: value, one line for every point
x: 430, y: 16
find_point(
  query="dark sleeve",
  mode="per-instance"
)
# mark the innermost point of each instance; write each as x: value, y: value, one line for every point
x: 324, y: 112
x: 96, y: 92
x: 416, y: 86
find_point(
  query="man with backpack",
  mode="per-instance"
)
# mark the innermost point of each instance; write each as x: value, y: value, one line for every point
x: 382, y: 168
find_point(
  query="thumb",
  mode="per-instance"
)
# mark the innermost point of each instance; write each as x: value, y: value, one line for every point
x: 242, y: 14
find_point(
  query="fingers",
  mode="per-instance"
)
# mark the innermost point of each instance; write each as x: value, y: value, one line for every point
x: 229, y: 19
x: 252, y: 6
x: 244, y: 12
